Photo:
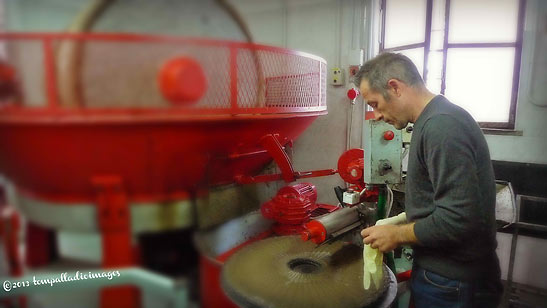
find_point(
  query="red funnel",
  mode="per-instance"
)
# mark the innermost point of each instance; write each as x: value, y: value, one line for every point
x: 122, y: 125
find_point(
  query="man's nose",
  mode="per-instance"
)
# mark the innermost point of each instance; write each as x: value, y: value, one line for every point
x: 377, y: 115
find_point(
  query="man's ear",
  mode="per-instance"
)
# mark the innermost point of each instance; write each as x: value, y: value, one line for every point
x: 394, y: 85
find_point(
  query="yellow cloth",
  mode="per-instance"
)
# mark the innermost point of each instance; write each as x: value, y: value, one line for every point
x: 373, y: 271
x: 395, y: 220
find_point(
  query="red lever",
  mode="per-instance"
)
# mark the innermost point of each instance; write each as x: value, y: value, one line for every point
x: 389, y: 135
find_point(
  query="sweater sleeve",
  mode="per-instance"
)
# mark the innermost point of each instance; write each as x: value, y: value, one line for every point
x: 449, y: 155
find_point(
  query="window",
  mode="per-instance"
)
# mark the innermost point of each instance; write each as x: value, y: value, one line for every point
x: 468, y: 50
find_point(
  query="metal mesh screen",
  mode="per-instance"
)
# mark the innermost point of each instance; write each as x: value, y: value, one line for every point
x: 27, y: 61
x: 127, y: 76
x: 323, y: 84
x: 107, y: 72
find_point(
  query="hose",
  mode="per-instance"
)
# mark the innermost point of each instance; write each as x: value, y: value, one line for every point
x: 389, y: 201
x: 390, y: 260
x: 380, y: 214
x: 70, y: 55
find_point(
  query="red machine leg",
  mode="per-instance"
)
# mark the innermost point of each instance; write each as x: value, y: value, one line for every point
x: 113, y: 216
x: 39, y: 244
x: 10, y: 225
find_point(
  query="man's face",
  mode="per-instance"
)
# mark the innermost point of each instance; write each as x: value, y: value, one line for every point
x: 389, y: 111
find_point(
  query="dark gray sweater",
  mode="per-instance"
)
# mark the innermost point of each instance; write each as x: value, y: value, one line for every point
x: 451, y: 194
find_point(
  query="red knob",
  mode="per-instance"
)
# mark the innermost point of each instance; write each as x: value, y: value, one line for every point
x: 182, y: 81
x: 389, y: 135
x: 352, y: 93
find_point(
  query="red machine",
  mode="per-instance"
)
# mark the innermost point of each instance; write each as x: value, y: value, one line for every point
x: 154, y: 119
x: 291, y: 210
x: 293, y: 206
x: 295, y: 210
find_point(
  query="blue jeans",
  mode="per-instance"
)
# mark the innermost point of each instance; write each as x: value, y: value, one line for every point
x: 430, y: 290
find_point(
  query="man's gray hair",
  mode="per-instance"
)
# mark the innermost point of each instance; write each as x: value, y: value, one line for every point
x: 379, y: 70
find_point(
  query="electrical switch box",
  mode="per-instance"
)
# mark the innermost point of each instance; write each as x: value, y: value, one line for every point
x: 383, y: 149
x: 336, y: 76
x: 351, y: 197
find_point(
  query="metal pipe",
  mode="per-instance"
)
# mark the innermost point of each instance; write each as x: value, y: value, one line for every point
x: 339, y: 219
x: 174, y: 289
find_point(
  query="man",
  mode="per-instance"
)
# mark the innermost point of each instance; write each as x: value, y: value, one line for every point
x: 450, y: 190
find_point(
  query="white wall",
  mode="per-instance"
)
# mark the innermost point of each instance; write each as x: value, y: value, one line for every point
x: 202, y: 18
x: 531, y: 119
x: 329, y: 29
x: 313, y: 26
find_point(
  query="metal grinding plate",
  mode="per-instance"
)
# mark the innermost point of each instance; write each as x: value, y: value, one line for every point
x: 287, y: 272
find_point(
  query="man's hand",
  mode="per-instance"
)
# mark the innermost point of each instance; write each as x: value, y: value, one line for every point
x: 388, y: 237
x: 385, y: 238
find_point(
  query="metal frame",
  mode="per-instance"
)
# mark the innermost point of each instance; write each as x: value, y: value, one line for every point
x: 517, y: 226
x: 446, y: 45
x: 426, y: 44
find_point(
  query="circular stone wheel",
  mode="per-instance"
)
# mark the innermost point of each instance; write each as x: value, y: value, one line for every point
x: 287, y: 272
